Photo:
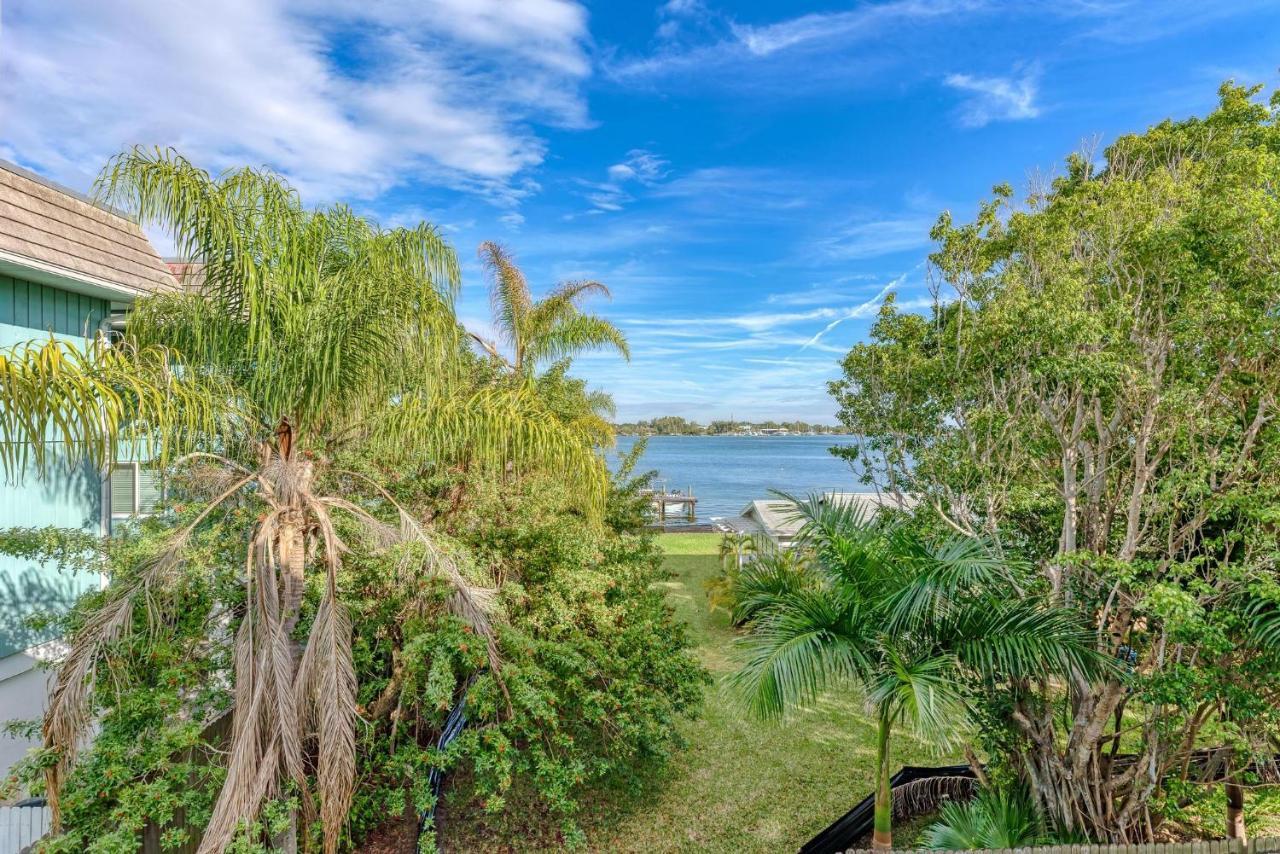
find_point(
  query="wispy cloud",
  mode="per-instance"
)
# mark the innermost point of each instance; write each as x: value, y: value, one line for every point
x: 638, y: 168
x: 345, y: 99
x: 677, y: 18
x: 860, y: 23
x: 867, y: 309
x: 875, y: 238
x: 996, y: 98
x: 639, y: 165
x: 733, y: 44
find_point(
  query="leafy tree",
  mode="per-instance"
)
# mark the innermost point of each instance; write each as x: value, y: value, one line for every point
x: 908, y: 621
x: 1096, y: 391
x: 304, y: 334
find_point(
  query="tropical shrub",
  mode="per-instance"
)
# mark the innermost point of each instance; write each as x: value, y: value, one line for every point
x: 594, y: 671
x: 993, y: 819
x: 916, y: 624
x: 597, y: 669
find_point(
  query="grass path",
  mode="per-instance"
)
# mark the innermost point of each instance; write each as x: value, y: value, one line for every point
x: 742, y: 785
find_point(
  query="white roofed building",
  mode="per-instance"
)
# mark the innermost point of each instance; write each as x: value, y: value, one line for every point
x: 775, y: 519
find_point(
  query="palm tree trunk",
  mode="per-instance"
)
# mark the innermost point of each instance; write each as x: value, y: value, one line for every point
x: 1235, y: 812
x: 882, y: 836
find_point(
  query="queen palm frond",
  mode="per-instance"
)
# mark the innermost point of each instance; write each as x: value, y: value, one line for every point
x: 303, y: 310
x: 572, y: 335
x: 508, y: 295
x: 602, y: 404
x: 496, y: 429
x: 65, y: 403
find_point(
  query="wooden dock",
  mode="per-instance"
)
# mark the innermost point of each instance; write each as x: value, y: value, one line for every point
x: 666, y: 504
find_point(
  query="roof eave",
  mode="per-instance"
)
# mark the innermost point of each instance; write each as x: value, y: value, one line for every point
x: 65, y: 278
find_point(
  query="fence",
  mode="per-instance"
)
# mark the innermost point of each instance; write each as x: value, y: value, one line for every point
x: 21, y: 826
x: 1265, y: 845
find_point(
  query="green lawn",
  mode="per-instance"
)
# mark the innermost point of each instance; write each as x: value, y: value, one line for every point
x: 743, y: 785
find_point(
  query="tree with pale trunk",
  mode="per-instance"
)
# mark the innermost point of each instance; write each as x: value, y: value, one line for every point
x: 1096, y: 392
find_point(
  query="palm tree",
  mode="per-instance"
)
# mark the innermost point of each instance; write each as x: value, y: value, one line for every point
x: 306, y: 335
x: 908, y: 621
x: 734, y: 548
x: 995, y: 819
x: 545, y: 330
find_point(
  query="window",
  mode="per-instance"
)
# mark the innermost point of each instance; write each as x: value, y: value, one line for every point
x: 135, y: 490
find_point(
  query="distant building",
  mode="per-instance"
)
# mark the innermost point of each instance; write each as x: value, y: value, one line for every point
x: 775, y: 518
x: 68, y: 268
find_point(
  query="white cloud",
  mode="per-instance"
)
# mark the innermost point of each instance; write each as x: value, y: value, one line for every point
x: 346, y: 100
x: 679, y: 17
x: 756, y: 321
x: 639, y: 167
x: 996, y: 98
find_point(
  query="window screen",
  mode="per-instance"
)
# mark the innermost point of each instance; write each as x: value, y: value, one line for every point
x: 148, y: 490
x: 135, y: 489
x: 122, y: 490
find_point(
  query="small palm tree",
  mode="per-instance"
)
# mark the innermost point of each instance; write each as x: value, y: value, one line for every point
x: 995, y: 819
x: 734, y: 548
x: 907, y: 621
x: 546, y: 330
x: 773, y: 573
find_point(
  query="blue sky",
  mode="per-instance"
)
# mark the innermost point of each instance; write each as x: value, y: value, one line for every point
x: 748, y: 178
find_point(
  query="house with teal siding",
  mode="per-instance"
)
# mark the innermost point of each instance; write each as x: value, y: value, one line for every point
x: 69, y: 268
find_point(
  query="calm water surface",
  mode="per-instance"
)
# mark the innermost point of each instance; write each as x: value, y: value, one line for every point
x: 726, y: 472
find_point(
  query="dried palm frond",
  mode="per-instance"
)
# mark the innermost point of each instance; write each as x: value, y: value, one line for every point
x: 925, y: 795
x: 264, y: 734
x: 325, y: 690
x: 67, y: 718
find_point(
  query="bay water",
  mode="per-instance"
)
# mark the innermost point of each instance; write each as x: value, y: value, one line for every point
x: 727, y: 472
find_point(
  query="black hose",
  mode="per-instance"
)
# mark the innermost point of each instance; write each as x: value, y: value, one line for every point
x: 453, y: 726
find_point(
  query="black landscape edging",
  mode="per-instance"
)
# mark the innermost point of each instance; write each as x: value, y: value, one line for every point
x: 845, y: 831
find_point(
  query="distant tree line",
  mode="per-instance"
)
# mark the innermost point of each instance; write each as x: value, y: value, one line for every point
x: 674, y: 425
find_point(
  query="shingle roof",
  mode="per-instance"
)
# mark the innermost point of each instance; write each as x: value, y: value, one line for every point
x: 65, y: 233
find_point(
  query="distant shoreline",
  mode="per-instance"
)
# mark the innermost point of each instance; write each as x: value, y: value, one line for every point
x: 734, y: 435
